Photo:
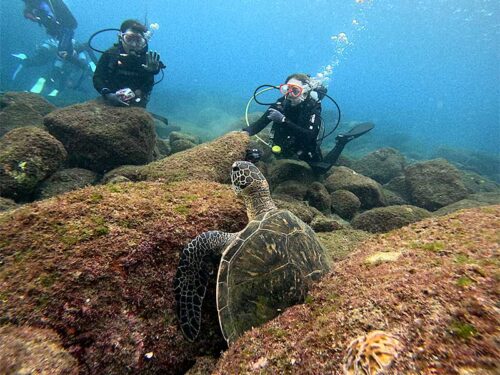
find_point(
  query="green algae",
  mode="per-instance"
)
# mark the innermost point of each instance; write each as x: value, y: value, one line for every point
x: 463, y: 330
x: 182, y: 209
x: 464, y: 281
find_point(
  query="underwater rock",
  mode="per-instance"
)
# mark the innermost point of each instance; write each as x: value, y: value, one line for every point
x: 473, y: 200
x: 381, y: 165
x: 65, y: 180
x: 339, y: 244
x: 130, y: 172
x: 367, y: 190
x: 178, y: 136
x: 384, y: 219
x: 208, y: 161
x: 97, y: 265
x: 318, y: 197
x: 288, y: 169
x: 7, y: 204
x: 299, y: 209
x: 434, y: 184
x: 19, y: 109
x: 392, y: 198
x: 181, y: 145
x: 398, y: 186
x: 292, y: 188
x: 162, y: 148
x: 479, y: 162
x: 475, y: 183
x: 344, y: 203
x: 325, y: 224
x: 29, y: 350
x: 100, y: 137
x: 163, y: 130
x: 28, y: 155
x: 438, y: 298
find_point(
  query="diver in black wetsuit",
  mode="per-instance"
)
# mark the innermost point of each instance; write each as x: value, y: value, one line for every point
x: 58, y: 21
x: 125, y: 73
x: 296, y: 119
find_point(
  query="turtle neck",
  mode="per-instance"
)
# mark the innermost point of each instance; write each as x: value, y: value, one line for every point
x: 258, y: 202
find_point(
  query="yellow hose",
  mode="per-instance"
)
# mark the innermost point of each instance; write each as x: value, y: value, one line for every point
x: 248, y: 106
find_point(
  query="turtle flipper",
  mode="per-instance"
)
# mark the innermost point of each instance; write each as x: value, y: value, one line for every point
x: 191, y: 279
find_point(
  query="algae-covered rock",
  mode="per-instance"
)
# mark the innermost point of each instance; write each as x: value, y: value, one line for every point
x: 7, y: 204
x: 431, y: 286
x: 19, y: 109
x: 344, y: 203
x: 301, y: 210
x: 66, y: 180
x: 381, y: 165
x: 434, y: 184
x: 339, y: 244
x: 28, y: 350
x: 393, y: 199
x: 367, y: 190
x: 97, y: 265
x: 292, y: 188
x: 318, y: 197
x: 100, y: 137
x: 322, y: 223
x: 473, y: 200
x: 288, y: 169
x: 28, y: 155
x: 398, y: 186
x: 208, y: 161
x: 181, y: 145
x: 475, y: 183
x: 384, y: 219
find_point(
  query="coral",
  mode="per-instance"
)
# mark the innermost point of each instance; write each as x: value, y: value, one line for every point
x: 371, y: 354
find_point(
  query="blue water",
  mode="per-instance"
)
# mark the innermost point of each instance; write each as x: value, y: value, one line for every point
x: 428, y: 69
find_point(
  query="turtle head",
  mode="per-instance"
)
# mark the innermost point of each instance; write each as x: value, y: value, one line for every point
x: 247, y: 178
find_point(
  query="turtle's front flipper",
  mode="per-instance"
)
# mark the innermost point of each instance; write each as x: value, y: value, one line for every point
x: 192, y: 276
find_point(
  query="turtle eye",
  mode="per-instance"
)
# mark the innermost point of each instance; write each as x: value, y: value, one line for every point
x: 235, y: 169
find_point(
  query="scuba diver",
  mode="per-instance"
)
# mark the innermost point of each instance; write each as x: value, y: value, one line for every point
x: 58, y: 21
x: 125, y: 72
x: 297, y: 122
x: 62, y: 74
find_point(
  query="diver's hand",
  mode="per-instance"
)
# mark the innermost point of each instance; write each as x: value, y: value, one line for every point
x: 114, y: 100
x: 275, y: 116
x: 152, y: 62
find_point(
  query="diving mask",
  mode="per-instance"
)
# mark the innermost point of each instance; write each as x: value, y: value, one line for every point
x: 135, y: 41
x: 291, y: 90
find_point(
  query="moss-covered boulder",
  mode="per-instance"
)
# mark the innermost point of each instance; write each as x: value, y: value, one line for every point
x: 384, y: 219
x: 100, y: 137
x: 322, y: 223
x: 475, y: 183
x: 398, y: 186
x: 96, y: 265
x: 344, y: 203
x: 367, y: 190
x: 434, y: 184
x: 393, y: 199
x: 319, y: 197
x: 7, y: 204
x: 28, y: 155
x: 300, y: 209
x: 286, y: 169
x: 473, y: 200
x: 339, y: 244
x: 66, y: 180
x: 27, y: 350
x: 432, y: 286
x: 208, y: 161
x: 381, y: 165
x: 292, y: 188
x: 19, y: 109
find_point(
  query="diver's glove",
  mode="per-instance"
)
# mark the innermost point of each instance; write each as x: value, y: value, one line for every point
x: 152, y: 62
x: 275, y: 115
x: 113, y: 99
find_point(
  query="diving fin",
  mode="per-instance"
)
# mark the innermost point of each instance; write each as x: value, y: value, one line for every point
x: 38, y: 86
x: 342, y: 139
x: 16, y: 72
x: 159, y: 118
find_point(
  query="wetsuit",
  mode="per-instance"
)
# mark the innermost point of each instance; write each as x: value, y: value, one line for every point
x: 116, y: 72
x: 57, y: 19
x: 298, y: 134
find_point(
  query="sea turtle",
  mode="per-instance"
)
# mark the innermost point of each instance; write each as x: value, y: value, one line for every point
x: 263, y: 269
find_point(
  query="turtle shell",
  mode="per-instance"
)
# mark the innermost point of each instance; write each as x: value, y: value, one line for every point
x: 268, y: 267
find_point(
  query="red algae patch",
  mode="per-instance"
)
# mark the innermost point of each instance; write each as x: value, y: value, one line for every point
x: 438, y: 298
x: 97, y: 265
